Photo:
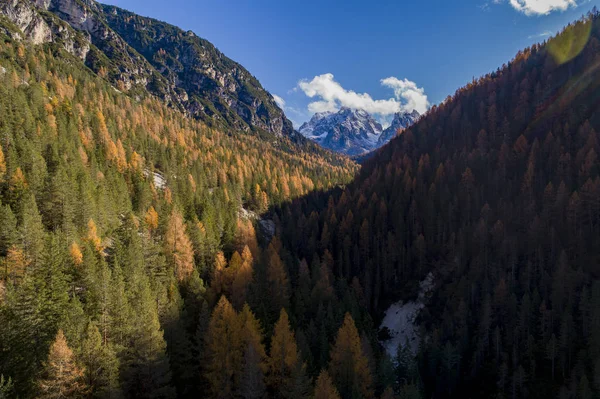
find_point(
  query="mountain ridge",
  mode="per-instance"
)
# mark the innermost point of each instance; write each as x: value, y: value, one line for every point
x: 353, y: 132
x: 401, y: 121
x: 203, y: 83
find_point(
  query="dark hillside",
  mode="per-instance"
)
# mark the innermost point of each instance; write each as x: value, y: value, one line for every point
x: 497, y: 192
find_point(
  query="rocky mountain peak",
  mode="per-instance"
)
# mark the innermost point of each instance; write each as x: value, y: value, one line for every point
x: 401, y: 121
x: 353, y: 131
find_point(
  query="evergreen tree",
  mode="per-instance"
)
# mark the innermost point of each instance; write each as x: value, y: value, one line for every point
x: 101, y: 366
x: 409, y: 391
x: 388, y: 394
x: 252, y: 384
x: 9, y: 235
x: 6, y: 387
x: 31, y: 230
x: 250, y: 378
x: 298, y: 386
x: 145, y: 372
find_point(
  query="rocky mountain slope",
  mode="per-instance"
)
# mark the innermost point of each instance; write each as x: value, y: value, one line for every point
x: 141, y: 55
x: 353, y: 132
x: 401, y: 121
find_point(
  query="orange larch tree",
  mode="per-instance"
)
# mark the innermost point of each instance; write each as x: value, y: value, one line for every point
x: 179, y: 247
x: 349, y: 366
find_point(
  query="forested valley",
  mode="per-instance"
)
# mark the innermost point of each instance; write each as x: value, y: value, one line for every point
x: 145, y: 254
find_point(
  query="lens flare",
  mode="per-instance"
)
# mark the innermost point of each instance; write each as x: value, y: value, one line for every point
x: 569, y: 44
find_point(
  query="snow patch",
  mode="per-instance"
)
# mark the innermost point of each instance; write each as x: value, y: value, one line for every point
x: 159, y: 180
x: 244, y: 213
x: 400, y: 320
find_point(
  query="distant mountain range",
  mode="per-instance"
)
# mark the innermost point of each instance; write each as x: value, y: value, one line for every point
x: 353, y: 132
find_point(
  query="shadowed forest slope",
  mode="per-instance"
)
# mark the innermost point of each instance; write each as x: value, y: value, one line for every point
x: 497, y: 192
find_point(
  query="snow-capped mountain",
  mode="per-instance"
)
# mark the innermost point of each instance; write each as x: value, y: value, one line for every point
x: 353, y: 132
x: 401, y: 121
x: 349, y: 131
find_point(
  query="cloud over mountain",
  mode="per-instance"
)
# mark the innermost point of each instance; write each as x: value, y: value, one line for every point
x: 331, y: 96
x: 414, y: 97
x: 279, y: 101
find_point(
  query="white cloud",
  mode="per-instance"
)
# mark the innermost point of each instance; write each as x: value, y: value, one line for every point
x: 280, y: 101
x: 541, y: 7
x: 540, y: 35
x: 331, y: 96
x: 413, y: 97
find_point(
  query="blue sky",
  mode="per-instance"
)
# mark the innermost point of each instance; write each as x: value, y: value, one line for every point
x: 329, y: 49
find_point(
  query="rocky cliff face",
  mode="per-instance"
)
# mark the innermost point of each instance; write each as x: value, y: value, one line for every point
x: 40, y: 28
x: 142, y: 55
x: 401, y: 121
x: 214, y: 85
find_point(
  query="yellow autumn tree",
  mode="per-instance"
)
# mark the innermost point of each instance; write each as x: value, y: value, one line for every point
x: 102, y: 129
x: 2, y: 165
x: 17, y: 182
x: 218, y: 275
x: 245, y: 235
x: 137, y: 162
x: 92, y: 236
x: 151, y: 219
x: 283, y: 356
x: 179, y: 247
x: 62, y: 377
x: 168, y: 196
x: 121, y: 157
x: 16, y: 262
x: 349, y: 366
x: 264, y: 202
x: 235, y: 264
x: 324, y: 388
x: 75, y: 253
x: 223, y: 350
x: 251, y: 333
x: 279, y: 289
x: 83, y: 155
x: 242, y: 280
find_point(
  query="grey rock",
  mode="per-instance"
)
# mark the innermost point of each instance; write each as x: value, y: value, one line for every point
x: 267, y: 229
x: 401, y: 121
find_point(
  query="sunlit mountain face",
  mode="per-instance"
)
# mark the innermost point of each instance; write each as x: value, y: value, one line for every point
x: 353, y: 132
